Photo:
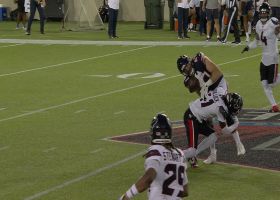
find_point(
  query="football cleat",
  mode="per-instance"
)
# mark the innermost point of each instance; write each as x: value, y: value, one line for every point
x: 193, y: 162
x: 212, y: 158
x: 240, y: 149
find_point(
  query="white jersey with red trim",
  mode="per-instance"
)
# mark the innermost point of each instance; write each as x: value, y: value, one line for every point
x: 269, y: 41
x: 171, y: 172
x: 209, y: 107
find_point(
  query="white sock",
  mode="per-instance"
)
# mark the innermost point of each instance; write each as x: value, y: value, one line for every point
x: 268, y: 92
x: 213, y: 149
x: 249, y: 28
x: 207, y: 142
x: 236, y: 137
x: 247, y: 35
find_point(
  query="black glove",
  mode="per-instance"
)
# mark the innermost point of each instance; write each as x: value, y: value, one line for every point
x: 245, y: 49
x: 228, y: 117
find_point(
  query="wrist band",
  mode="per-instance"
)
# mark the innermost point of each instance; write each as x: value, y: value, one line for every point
x: 132, y: 191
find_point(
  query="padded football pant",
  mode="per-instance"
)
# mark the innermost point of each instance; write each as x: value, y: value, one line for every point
x: 194, y: 128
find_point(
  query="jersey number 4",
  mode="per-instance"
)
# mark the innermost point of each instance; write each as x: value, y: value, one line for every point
x: 263, y: 39
x: 177, y: 175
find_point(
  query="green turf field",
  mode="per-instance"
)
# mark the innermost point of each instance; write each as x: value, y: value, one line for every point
x: 59, y: 102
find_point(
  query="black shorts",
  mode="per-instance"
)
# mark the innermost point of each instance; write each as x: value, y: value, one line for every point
x: 194, y: 128
x: 269, y: 73
x: 246, y: 7
x: 275, y: 12
x: 21, y: 7
x: 212, y: 14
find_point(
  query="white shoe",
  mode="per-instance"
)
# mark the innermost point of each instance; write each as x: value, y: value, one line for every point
x: 212, y: 158
x: 240, y: 149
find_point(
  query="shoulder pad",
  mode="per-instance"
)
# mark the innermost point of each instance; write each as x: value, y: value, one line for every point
x: 152, y: 153
x: 274, y: 20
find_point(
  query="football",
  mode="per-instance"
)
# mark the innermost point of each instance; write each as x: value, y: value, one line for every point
x: 192, y: 84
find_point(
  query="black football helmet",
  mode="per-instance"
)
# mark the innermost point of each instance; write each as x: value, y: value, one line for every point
x: 182, y: 62
x: 264, y: 11
x: 234, y: 103
x: 161, y: 130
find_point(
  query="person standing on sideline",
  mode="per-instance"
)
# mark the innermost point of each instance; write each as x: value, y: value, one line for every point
x: 162, y: 161
x: 113, y: 17
x: 183, y: 13
x: 232, y: 10
x: 211, y: 7
x: 40, y: 6
x: 267, y: 34
x: 21, y: 14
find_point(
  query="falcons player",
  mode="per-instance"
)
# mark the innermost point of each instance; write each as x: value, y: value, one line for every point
x: 267, y: 34
x: 165, y: 166
x: 216, y: 104
x: 205, y: 70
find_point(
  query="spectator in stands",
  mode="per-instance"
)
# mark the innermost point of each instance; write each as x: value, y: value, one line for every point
x: 39, y: 5
x: 275, y: 8
x: 113, y: 17
x: 211, y: 7
x: 21, y: 14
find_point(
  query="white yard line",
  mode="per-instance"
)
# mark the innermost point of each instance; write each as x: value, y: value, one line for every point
x: 12, y: 45
x: 75, y: 61
x: 119, y: 112
x: 2, y: 109
x: 84, y: 99
x: 80, y: 111
x: 96, y: 151
x: 4, y: 148
x: 49, y: 149
x: 100, y: 95
x: 83, y: 177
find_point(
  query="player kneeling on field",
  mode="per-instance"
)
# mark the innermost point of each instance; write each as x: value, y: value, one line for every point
x: 162, y: 159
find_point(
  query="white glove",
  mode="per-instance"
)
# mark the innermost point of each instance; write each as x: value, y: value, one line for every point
x: 203, y: 91
x: 204, y: 88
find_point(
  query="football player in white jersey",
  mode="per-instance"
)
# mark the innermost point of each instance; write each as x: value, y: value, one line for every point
x: 267, y: 34
x: 223, y: 106
x: 204, y: 69
x: 210, y: 79
x: 165, y: 167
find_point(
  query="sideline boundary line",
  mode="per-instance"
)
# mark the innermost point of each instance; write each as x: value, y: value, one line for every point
x: 126, y: 43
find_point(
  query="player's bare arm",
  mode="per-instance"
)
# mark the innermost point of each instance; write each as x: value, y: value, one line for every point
x: 213, y: 69
x: 142, y: 184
